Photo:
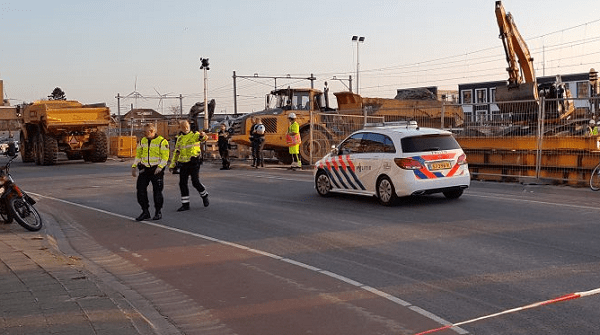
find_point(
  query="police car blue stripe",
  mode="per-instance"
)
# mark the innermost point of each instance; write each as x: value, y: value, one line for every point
x: 339, y: 178
x: 348, y: 178
x: 356, y: 179
x: 330, y: 176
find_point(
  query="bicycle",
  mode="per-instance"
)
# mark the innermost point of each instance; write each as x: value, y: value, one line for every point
x: 595, y: 178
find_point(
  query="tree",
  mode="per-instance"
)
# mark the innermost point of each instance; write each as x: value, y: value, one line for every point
x: 57, y: 94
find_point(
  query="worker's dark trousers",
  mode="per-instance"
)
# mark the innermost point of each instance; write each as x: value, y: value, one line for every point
x: 224, y: 158
x: 146, y: 177
x: 190, y: 169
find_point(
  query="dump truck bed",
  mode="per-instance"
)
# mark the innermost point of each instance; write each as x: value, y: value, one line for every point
x: 65, y: 114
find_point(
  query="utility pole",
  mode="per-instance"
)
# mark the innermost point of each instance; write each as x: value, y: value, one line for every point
x: 234, y: 95
x: 205, y: 67
x: 180, y: 105
x: 119, y: 111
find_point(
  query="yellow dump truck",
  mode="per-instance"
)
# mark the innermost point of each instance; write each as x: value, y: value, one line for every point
x: 53, y: 126
x: 429, y: 112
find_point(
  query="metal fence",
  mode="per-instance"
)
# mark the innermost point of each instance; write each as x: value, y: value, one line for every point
x: 530, y: 141
x: 504, y: 141
x: 327, y: 130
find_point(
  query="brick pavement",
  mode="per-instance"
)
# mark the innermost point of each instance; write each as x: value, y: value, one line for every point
x: 43, y: 291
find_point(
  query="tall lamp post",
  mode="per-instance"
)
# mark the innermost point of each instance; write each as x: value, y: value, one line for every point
x: 358, y: 40
x: 205, y: 67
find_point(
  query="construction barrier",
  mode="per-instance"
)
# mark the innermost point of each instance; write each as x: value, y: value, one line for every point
x: 123, y: 146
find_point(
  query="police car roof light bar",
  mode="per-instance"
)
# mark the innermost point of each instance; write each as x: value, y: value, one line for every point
x: 407, y: 124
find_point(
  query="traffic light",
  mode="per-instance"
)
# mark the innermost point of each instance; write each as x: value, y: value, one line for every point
x: 204, y: 62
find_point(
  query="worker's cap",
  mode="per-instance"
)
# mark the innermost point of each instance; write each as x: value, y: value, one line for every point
x: 291, y: 116
x: 592, y: 122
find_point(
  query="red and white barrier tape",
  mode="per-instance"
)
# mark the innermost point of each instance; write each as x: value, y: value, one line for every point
x: 566, y: 297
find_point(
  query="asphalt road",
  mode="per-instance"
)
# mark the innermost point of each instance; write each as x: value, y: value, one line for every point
x: 498, y: 247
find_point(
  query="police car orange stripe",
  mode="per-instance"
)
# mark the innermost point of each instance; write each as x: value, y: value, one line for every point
x: 435, y: 157
x: 328, y: 171
x: 343, y: 171
x: 335, y: 170
x: 453, y: 170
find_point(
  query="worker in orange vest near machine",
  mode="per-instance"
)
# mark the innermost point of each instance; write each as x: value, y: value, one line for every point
x: 293, y: 140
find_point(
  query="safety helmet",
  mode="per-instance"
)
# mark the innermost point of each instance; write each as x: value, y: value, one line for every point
x: 292, y: 116
x: 260, y: 129
x: 592, y: 122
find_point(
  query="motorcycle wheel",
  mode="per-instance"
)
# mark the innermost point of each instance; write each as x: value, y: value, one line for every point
x: 25, y: 214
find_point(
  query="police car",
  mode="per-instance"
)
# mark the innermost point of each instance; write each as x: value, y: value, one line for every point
x: 394, y: 160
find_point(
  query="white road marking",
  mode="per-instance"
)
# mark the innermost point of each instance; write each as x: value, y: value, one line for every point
x: 347, y: 280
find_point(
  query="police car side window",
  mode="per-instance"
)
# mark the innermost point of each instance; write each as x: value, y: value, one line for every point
x: 388, y: 145
x: 374, y: 143
x: 352, y: 145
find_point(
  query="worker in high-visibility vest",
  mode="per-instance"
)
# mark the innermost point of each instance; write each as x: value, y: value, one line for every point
x: 294, y: 145
x: 151, y: 158
x: 188, y: 154
x: 592, y: 129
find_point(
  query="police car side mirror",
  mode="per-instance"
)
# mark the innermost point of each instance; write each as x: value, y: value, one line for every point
x: 334, y: 150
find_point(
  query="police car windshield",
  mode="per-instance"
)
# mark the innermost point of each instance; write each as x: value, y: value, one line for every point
x: 429, y: 143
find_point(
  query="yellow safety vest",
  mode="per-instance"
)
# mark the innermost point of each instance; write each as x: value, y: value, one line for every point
x: 153, y: 152
x: 187, y: 146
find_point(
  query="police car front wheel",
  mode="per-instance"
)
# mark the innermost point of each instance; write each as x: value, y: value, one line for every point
x: 323, y: 184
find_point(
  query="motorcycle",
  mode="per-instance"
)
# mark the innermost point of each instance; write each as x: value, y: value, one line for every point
x: 14, y: 203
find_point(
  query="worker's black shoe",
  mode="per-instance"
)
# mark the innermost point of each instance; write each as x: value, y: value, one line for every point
x: 205, y: 200
x: 144, y: 216
x: 157, y: 215
x: 184, y: 207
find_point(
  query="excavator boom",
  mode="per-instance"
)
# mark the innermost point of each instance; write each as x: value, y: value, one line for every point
x: 522, y: 84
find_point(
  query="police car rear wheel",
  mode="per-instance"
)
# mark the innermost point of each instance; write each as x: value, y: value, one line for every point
x: 386, y: 194
x: 323, y: 184
x: 453, y: 194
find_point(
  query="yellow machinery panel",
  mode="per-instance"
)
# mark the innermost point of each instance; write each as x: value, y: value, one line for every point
x: 123, y: 146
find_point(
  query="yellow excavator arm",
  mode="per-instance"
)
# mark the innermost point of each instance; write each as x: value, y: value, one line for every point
x: 522, y: 83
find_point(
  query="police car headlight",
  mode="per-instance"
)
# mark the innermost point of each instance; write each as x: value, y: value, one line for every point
x: 408, y: 163
x: 462, y: 159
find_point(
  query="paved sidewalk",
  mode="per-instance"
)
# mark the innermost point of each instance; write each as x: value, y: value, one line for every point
x: 42, y: 291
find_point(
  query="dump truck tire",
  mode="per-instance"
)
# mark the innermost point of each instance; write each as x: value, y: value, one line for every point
x: 320, y: 145
x: 99, y: 152
x: 50, y: 150
x: 38, y: 148
x: 26, y: 148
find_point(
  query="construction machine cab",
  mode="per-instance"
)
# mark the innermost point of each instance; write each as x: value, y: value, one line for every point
x: 295, y: 99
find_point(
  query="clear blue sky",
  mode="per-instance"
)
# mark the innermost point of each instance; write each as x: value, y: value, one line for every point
x: 96, y: 49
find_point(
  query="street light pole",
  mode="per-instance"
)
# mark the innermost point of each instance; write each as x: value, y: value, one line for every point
x: 358, y: 40
x: 205, y: 67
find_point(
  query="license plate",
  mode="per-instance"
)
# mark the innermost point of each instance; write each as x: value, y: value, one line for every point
x: 440, y: 165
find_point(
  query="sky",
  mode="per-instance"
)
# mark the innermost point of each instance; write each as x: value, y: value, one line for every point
x: 145, y: 50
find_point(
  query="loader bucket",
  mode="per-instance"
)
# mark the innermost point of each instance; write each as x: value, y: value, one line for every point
x: 520, y: 102
x: 525, y: 91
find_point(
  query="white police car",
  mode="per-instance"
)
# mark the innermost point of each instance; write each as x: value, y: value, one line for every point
x: 390, y: 161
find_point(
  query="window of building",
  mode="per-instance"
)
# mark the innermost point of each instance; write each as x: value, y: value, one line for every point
x: 481, y: 96
x: 466, y: 96
x: 583, y: 89
x: 493, y: 94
